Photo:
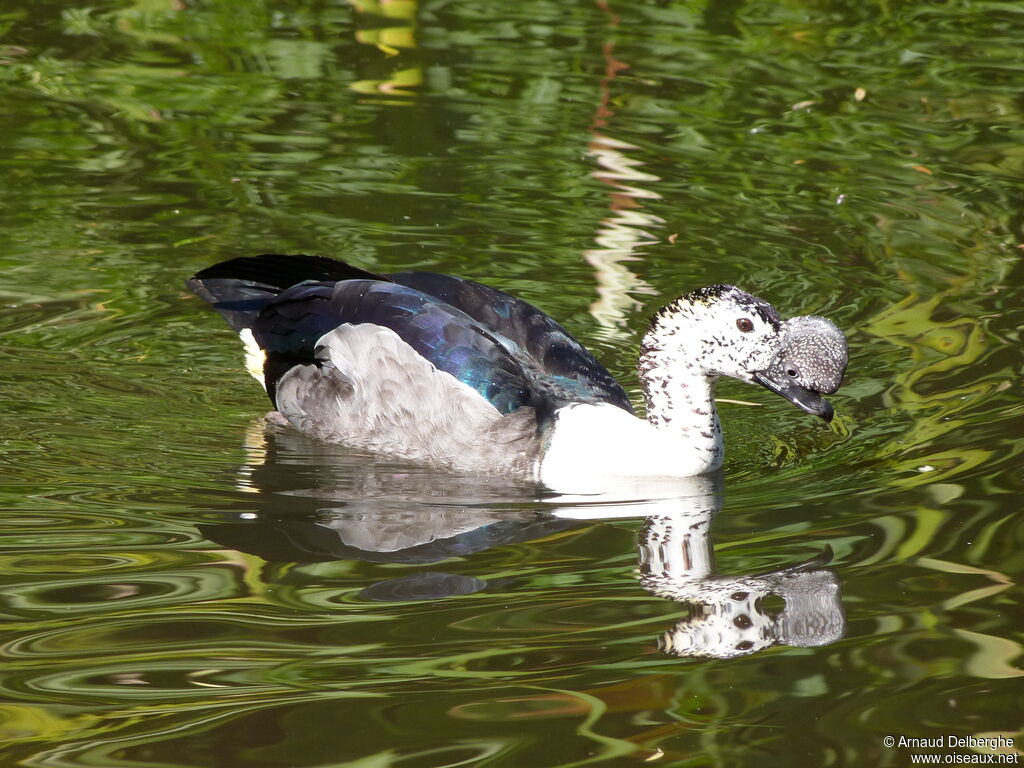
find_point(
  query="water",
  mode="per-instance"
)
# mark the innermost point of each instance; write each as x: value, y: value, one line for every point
x: 184, y: 586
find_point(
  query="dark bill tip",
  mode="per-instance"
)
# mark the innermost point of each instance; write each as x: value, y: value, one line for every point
x: 805, y: 399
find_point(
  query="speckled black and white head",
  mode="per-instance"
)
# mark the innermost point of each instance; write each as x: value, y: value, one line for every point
x: 811, y: 361
x: 720, y: 330
x: 724, y: 331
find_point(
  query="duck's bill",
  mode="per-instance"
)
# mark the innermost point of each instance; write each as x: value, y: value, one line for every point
x: 806, y: 399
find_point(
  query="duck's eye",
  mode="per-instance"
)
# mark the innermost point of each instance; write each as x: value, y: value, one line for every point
x: 745, y: 324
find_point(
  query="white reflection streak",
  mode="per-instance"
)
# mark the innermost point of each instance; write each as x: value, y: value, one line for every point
x: 255, y: 446
x: 620, y: 234
x: 625, y: 229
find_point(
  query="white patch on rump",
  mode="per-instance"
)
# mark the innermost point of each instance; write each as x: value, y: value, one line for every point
x: 254, y: 356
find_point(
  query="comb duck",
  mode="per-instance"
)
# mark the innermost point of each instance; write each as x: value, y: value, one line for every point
x: 455, y: 374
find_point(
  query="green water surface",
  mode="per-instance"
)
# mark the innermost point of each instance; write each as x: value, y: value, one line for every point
x: 183, y: 586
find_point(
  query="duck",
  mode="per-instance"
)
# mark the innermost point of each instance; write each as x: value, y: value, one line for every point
x: 455, y: 374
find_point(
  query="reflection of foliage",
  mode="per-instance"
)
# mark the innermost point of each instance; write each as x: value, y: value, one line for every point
x: 264, y: 111
x: 860, y: 160
x: 942, y: 389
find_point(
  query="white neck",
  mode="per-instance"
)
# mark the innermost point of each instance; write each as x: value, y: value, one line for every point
x: 681, y: 399
x: 681, y: 437
x: 591, y: 446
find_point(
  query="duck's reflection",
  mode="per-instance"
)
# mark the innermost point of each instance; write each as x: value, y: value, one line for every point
x: 313, y: 502
x: 733, y: 615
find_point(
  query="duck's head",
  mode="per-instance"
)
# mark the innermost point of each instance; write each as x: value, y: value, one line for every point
x: 724, y: 331
x: 810, y: 362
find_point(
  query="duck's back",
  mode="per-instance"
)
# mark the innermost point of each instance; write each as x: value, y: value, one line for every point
x: 423, y: 366
x: 548, y: 348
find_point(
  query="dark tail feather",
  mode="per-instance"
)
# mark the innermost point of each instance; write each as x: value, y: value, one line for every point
x: 285, y: 271
x: 239, y: 288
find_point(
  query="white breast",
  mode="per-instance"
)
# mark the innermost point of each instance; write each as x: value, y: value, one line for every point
x: 593, y: 444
